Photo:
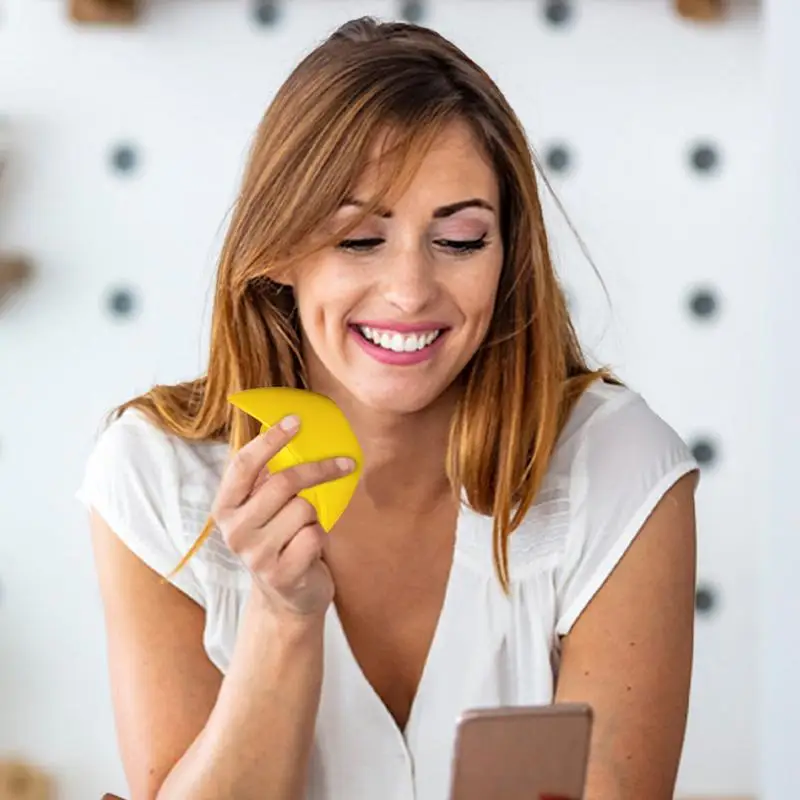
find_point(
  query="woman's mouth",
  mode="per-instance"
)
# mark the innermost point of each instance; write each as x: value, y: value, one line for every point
x: 398, y: 348
x: 399, y: 342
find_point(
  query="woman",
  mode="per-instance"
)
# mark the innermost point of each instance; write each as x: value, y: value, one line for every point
x: 523, y: 530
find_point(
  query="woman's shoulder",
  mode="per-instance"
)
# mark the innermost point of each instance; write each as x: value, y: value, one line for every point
x: 614, y: 460
x: 617, y: 422
x: 155, y: 490
x: 139, y: 441
x: 621, y: 458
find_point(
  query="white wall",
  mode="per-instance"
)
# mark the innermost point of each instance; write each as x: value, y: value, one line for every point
x: 780, y: 602
x: 627, y: 86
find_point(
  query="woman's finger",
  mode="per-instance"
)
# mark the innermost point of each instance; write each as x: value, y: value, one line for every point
x: 297, y: 557
x: 280, y: 487
x: 247, y: 463
x: 264, y: 543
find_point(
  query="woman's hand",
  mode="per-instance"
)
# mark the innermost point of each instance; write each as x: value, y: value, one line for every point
x: 275, y: 532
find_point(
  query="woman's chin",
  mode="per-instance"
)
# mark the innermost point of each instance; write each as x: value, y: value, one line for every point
x: 400, y: 402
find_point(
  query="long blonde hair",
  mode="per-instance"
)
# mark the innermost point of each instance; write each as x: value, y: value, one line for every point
x: 311, y: 147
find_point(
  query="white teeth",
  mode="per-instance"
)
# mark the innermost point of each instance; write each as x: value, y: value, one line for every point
x: 399, y: 342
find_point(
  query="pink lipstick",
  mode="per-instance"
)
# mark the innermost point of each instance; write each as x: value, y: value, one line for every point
x: 365, y: 334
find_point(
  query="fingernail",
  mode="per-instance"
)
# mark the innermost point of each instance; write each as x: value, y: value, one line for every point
x: 289, y: 423
x: 345, y: 464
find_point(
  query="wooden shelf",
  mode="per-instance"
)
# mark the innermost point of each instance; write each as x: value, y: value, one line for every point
x: 701, y: 10
x: 15, y: 272
x: 106, y: 12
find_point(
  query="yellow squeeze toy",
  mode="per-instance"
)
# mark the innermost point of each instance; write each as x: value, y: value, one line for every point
x: 324, y: 433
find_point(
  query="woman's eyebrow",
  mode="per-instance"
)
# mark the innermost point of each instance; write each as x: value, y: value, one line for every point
x: 438, y: 213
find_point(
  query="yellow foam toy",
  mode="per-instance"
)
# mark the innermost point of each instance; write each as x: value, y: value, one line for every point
x: 324, y: 433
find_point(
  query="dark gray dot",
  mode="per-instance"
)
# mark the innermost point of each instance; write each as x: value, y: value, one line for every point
x: 122, y: 303
x: 705, y: 599
x: 558, y: 158
x: 267, y: 12
x: 558, y: 12
x: 704, y: 451
x: 704, y: 158
x: 703, y: 303
x: 124, y: 158
x: 412, y: 11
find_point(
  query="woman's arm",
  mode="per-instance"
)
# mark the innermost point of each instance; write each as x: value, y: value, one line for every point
x: 629, y: 655
x: 184, y: 731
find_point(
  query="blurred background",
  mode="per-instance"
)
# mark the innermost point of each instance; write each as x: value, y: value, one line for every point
x: 668, y: 129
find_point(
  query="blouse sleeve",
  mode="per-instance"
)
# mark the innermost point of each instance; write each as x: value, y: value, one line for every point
x: 626, y: 461
x: 131, y: 479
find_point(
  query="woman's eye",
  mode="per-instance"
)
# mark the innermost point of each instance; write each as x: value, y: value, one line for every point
x: 359, y: 245
x: 459, y: 246
x: 463, y: 245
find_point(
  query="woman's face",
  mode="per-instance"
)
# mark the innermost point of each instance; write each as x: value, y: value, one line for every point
x: 392, y: 314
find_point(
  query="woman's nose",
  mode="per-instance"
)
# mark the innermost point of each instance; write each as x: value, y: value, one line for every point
x: 409, y: 283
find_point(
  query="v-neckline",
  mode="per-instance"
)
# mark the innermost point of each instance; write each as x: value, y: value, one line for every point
x: 407, y: 733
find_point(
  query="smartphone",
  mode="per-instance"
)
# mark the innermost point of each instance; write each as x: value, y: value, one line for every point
x: 522, y: 753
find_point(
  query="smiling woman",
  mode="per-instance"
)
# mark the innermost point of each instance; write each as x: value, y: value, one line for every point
x: 415, y: 341
x: 522, y: 531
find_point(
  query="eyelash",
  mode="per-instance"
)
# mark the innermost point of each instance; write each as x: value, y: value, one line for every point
x: 460, y: 247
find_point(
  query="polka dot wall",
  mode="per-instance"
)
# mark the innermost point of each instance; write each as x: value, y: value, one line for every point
x: 123, y: 147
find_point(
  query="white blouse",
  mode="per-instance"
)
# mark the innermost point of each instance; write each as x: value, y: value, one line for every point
x: 615, y: 459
